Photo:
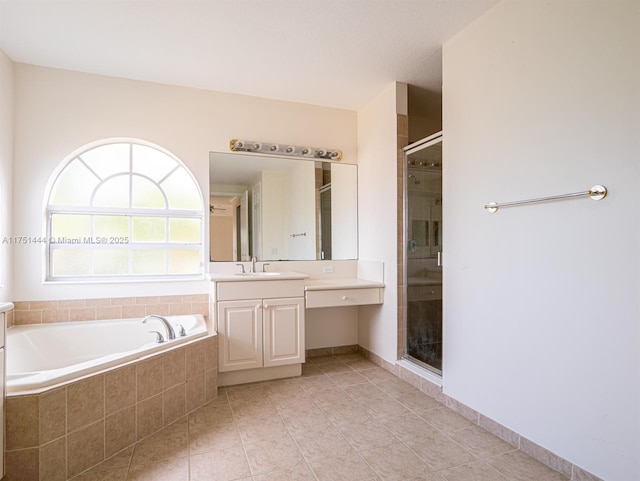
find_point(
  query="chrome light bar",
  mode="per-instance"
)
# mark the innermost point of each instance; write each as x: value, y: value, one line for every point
x: 238, y: 145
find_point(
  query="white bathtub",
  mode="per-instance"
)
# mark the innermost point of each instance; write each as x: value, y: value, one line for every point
x: 42, y: 356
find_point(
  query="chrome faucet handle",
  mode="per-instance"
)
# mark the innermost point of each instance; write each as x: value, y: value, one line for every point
x: 241, y: 266
x: 264, y: 265
x: 171, y: 333
x: 159, y: 336
x: 181, y: 329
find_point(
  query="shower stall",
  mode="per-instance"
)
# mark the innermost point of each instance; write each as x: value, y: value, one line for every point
x: 422, y: 253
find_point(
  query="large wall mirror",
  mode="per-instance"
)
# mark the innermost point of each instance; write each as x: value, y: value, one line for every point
x: 275, y: 208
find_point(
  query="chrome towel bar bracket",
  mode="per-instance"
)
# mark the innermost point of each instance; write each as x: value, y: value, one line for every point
x: 597, y: 192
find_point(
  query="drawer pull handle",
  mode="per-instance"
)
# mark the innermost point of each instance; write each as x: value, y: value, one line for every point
x: 344, y: 298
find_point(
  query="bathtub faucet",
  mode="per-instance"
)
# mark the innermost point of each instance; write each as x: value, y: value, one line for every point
x: 171, y: 333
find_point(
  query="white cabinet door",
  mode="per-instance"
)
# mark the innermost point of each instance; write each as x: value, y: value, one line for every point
x: 283, y: 331
x: 240, y: 326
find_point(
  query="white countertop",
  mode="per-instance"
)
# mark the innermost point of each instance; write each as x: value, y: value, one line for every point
x: 348, y: 283
x: 5, y: 306
x: 257, y: 276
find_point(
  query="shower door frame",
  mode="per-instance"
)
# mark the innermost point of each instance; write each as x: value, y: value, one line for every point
x: 415, y: 146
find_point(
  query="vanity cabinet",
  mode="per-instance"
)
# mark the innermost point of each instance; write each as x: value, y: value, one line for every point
x: 260, y: 333
x: 260, y: 325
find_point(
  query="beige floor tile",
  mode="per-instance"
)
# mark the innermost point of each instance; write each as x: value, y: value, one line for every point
x: 348, y: 467
x: 365, y: 391
x: 518, y: 466
x: 211, y: 414
x: 174, y: 469
x: 384, y: 407
x: 368, y: 435
x: 253, y: 409
x: 322, y: 359
x: 290, y: 403
x: 349, y: 412
x: 359, y: 364
x: 312, y: 384
x: 311, y: 370
x: 409, y: 427
x: 283, y: 386
x: 213, y: 439
x: 476, y: 471
x: 119, y: 460
x: 169, y: 443
x: 230, y: 464
x: 445, y: 419
x: 321, y: 444
x: 334, y: 396
x: 299, y: 472
x: 301, y: 421
x: 273, y: 454
x: 377, y: 374
x: 394, y: 463
x: 254, y: 430
x: 480, y: 443
x: 427, y: 477
x: 439, y: 452
x: 396, y: 387
x: 245, y: 392
x: 417, y: 401
x: 321, y: 428
x: 334, y: 367
x: 348, y: 378
x: 97, y: 474
x: 222, y: 397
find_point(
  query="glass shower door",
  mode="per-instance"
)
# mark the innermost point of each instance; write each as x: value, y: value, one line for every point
x: 423, y: 247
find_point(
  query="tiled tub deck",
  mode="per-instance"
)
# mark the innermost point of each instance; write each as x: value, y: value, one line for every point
x: 57, y: 434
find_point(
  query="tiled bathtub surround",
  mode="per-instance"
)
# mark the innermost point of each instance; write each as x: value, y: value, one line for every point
x: 37, y: 312
x: 58, y: 434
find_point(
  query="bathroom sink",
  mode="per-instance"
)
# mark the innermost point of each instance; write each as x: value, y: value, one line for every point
x: 258, y: 274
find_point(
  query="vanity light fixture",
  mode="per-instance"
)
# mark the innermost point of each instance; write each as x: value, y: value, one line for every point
x: 238, y: 145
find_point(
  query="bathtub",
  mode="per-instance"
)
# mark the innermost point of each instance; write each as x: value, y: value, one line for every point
x: 39, y: 357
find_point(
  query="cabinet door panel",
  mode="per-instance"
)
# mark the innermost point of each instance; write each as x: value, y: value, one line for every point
x: 283, y: 331
x: 240, y: 323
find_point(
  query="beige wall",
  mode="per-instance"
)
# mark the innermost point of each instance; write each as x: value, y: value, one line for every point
x: 377, y: 196
x: 6, y: 173
x: 59, y: 111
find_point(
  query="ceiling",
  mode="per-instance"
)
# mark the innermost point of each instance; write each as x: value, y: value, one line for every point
x: 337, y: 53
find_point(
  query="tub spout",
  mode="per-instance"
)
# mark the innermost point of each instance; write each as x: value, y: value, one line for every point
x: 159, y: 337
x: 171, y: 333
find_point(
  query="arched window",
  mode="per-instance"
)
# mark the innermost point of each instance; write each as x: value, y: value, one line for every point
x: 124, y: 210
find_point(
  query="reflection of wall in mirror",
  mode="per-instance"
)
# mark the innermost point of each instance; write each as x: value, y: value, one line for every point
x: 301, y: 215
x: 221, y: 228
x: 273, y: 208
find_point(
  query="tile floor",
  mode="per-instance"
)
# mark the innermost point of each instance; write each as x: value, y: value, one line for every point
x: 345, y: 419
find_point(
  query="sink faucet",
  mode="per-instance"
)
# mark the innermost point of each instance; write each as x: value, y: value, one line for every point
x: 171, y: 333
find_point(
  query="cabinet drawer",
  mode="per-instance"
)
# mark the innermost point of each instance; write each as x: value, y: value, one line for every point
x: 231, y: 291
x: 343, y: 297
